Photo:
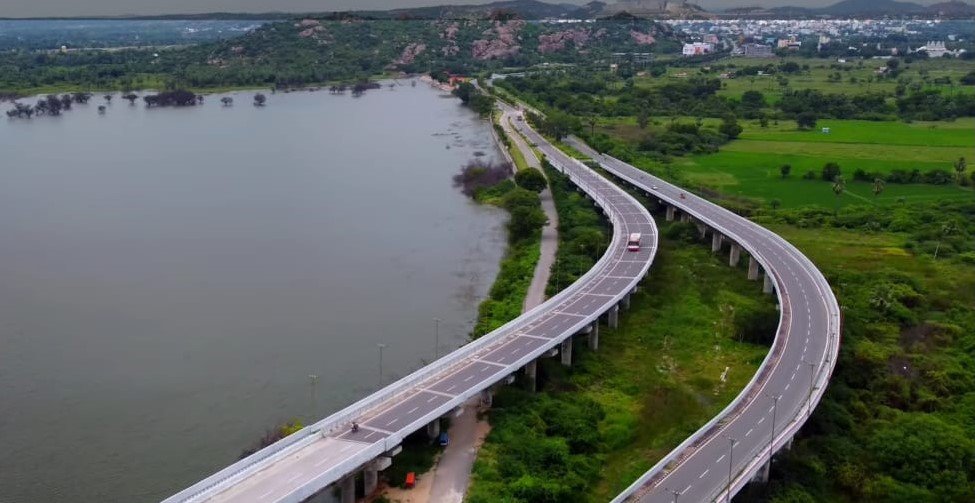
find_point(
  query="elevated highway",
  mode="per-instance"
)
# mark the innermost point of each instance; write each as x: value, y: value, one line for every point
x: 737, y: 444
x: 330, y: 453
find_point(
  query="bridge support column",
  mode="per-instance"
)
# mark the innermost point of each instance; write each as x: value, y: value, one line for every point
x: 566, y: 351
x: 767, y: 286
x: 702, y: 229
x: 531, y: 371
x: 716, y: 240
x: 788, y: 444
x: 752, y: 268
x: 433, y: 428
x: 594, y: 336
x: 684, y: 217
x: 735, y: 255
x: 370, y: 478
x: 670, y: 213
x: 625, y: 302
x: 347, y: 489
x: 762, y: 474
x: 614, y: 316
x: 487, y: 397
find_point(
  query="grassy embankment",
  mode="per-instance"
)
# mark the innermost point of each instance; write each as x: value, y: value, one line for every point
x: 595, y: 426
x: 749, y: 166
x: 507, y: 295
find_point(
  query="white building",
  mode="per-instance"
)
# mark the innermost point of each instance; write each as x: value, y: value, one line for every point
x: 934, y: 49
x: 697, y: 49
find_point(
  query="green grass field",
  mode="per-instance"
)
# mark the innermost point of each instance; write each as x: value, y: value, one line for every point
x: 749, y: 166
x: 817, y: 77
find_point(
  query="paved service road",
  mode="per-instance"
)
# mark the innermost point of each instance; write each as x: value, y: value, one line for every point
x: 328, y: 451
x: 792, y: 378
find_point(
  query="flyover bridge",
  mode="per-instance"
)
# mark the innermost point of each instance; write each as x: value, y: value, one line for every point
x: 329, y: 453
x: 737, y: 444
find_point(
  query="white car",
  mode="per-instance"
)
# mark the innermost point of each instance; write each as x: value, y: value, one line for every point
x: 654, y: 187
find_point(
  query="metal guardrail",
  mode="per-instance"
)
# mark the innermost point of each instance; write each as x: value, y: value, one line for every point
x: 239, y: 470
x: 749, y: 393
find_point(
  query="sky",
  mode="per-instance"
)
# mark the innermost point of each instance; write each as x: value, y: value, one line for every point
x: 48, y: 8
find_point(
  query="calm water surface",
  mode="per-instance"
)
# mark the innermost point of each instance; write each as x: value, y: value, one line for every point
x: 170, y: 278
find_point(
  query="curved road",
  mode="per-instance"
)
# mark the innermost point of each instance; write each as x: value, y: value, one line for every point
x: 735, y: 445
x: 328, y: 451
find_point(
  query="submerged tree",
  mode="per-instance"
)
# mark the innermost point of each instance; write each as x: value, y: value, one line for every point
x: 259, y: 100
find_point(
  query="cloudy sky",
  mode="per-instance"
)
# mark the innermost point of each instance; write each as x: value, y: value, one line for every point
x: 24, y: 8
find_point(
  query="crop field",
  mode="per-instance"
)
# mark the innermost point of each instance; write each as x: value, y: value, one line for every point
x: 750, y: 165
x: 818, y: 75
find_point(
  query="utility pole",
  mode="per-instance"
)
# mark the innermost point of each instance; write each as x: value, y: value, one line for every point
x: 381, y: 346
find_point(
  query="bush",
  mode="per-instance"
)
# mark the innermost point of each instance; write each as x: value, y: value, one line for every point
x: 831, y: 170
x: 531, y: 179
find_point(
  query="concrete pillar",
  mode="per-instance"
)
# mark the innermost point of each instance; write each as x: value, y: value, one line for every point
x: 348, y: 489
x: 531, y: 370
x: 614, y: 316
x: 433, y: 428
x: 594, y: 336
x: 487, y: 397
x: 684, y: 217
x: 716, y: 241
x: 626, y: 301
x: 767, y: 286
x: 702, y: 229
x: 735, y: 255
x: 670, y: 213
x: 762, y: 474
x: 370, y: 477
x: 788, y: 444
x: 752, y: 268
x: 566, y: 351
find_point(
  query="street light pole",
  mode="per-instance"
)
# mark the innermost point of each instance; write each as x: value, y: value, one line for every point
x: 381, y: 346
x: 812, y: 369
x: 731, y: 456
x: 436, y: 331
x: 775, y: 406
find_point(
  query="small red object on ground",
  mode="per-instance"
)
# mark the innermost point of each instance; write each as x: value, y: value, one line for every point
x: 410, y: 480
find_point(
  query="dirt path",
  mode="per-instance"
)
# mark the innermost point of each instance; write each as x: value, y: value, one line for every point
x: 550, y: 233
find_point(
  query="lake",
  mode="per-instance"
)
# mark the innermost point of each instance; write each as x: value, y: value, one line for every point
x: 171, y: 278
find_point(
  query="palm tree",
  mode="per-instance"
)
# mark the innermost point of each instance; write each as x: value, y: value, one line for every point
x: 592, y: 124
x: 839, y: 185
x: 878, y: 186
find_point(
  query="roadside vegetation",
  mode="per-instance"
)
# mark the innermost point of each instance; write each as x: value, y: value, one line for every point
x: 490, y: 184
x: 691, y: 339
x: 898, y: 420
